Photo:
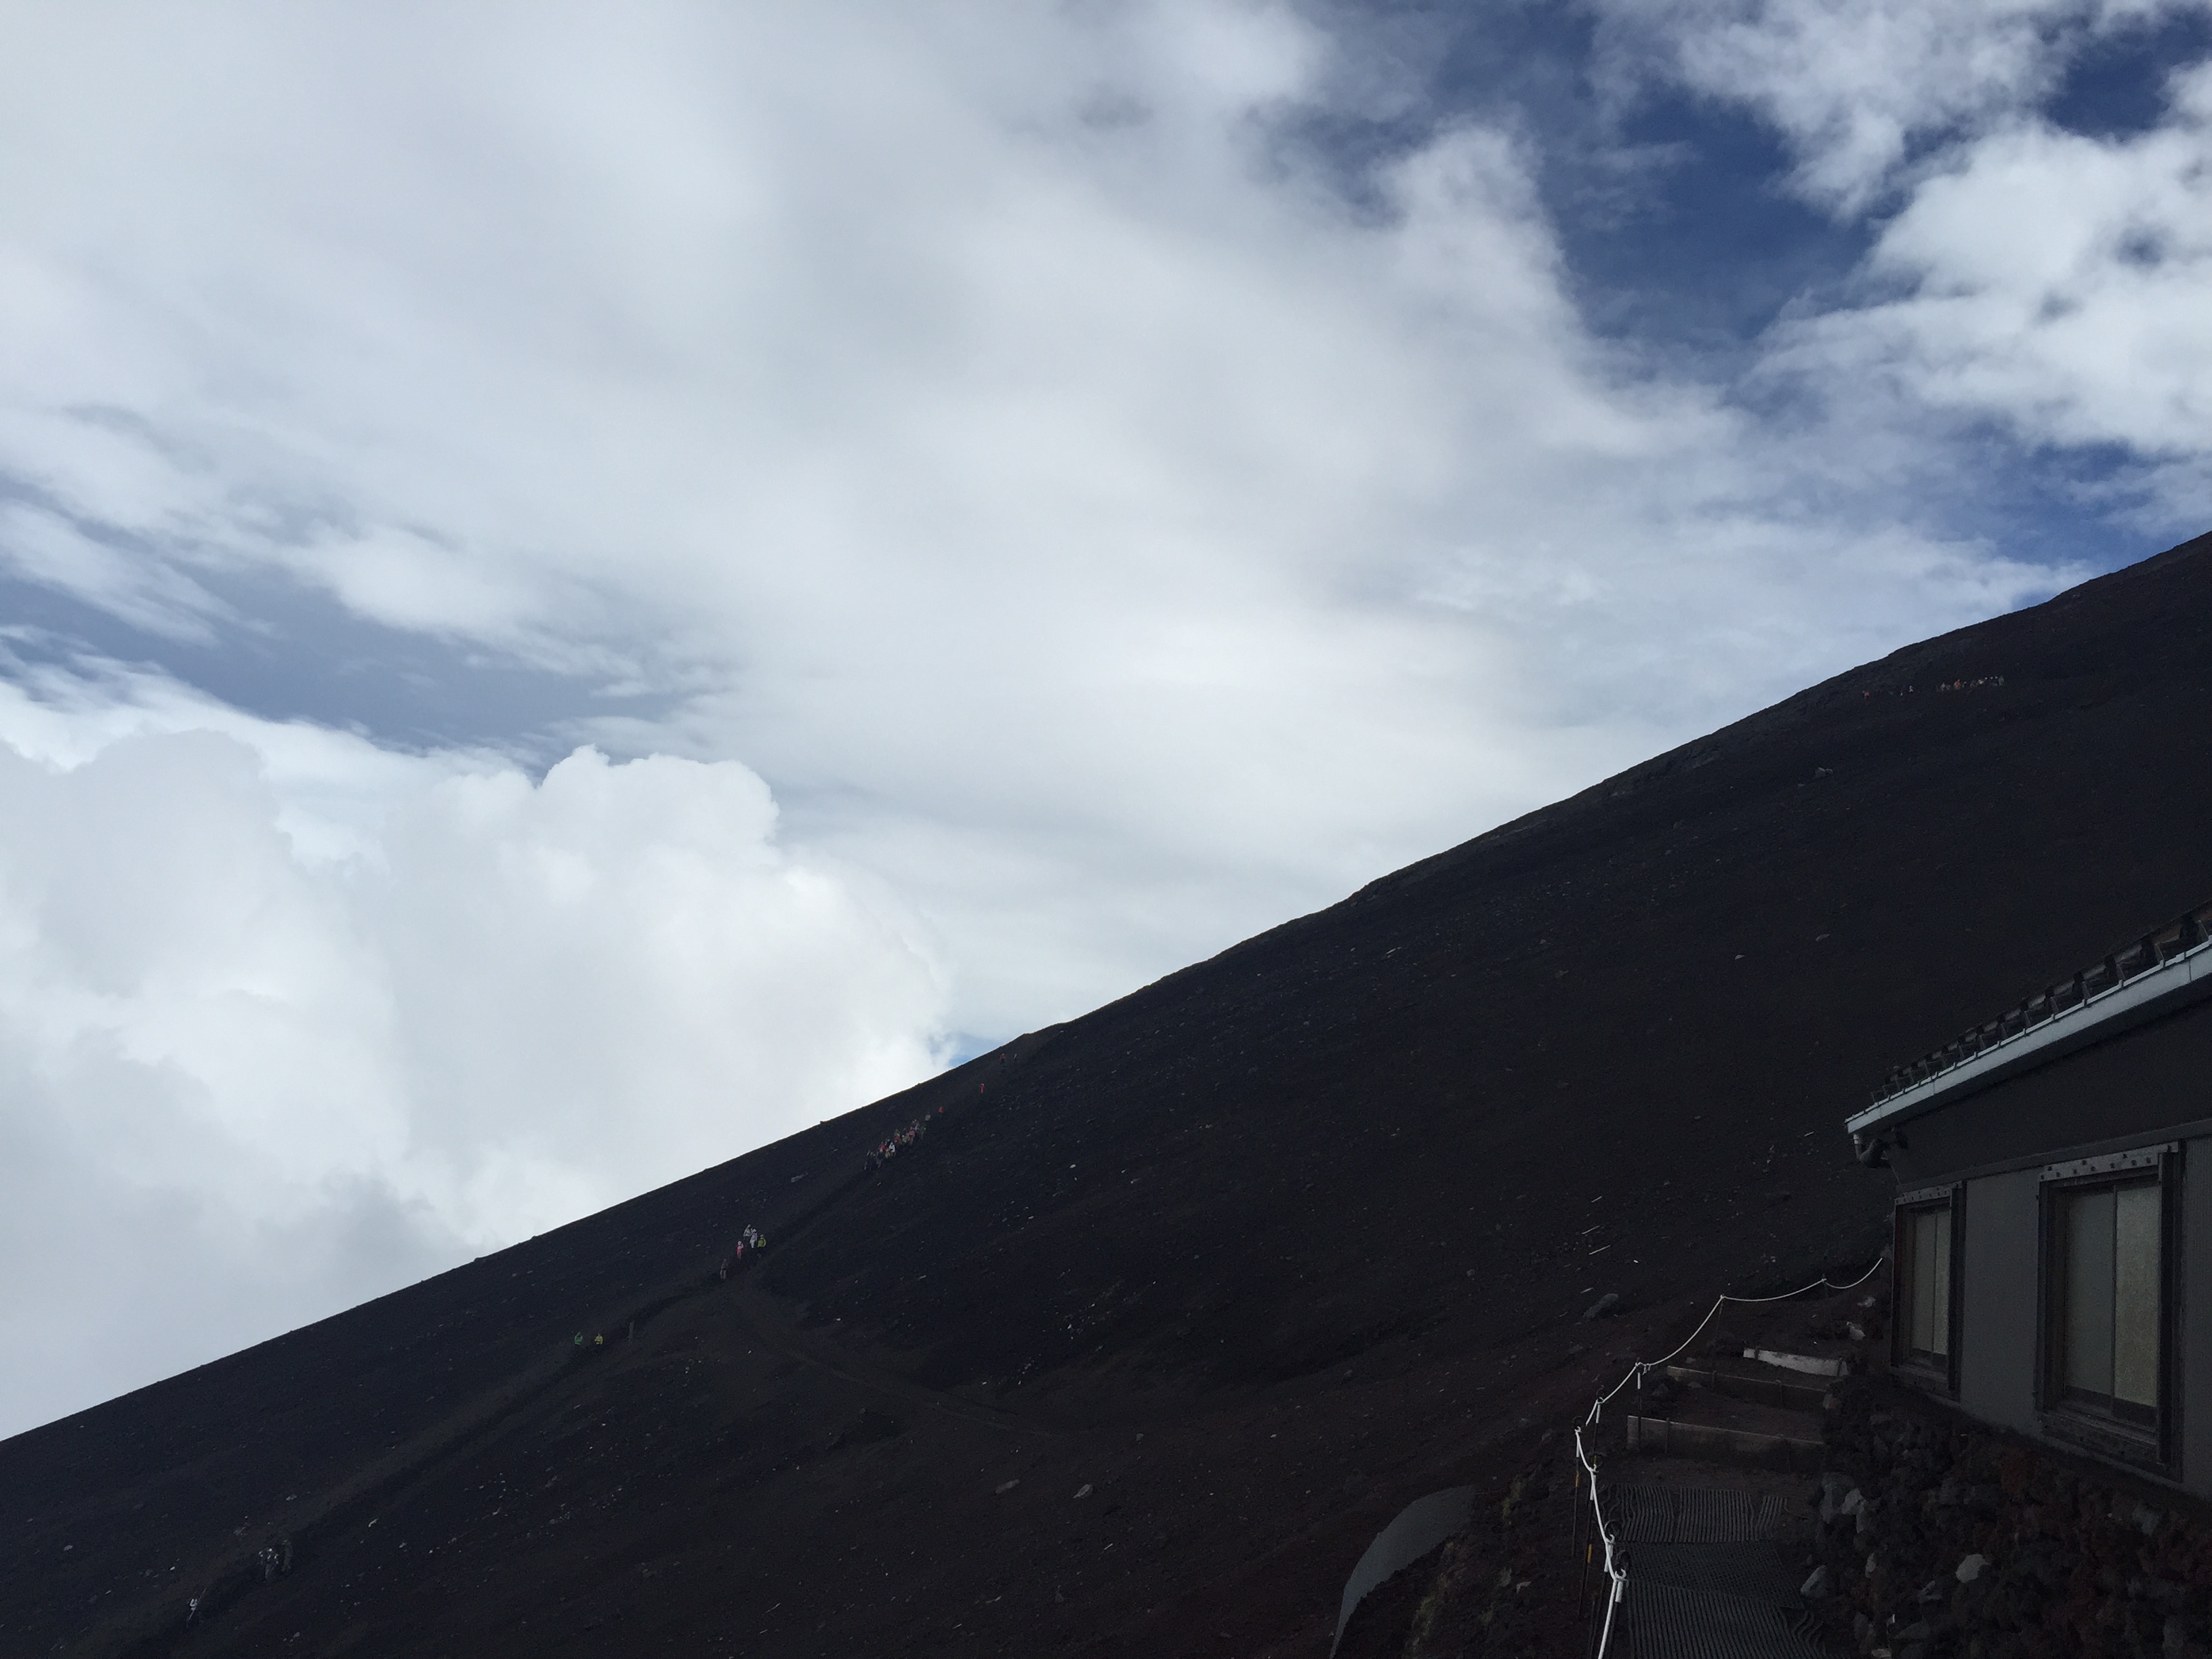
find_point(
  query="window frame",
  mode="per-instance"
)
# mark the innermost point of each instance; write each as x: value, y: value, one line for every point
x: 2157, y: 1445
x: 1904, y: 1361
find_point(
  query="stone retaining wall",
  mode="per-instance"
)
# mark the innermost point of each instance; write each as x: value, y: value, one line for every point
x: 1942, y: 1540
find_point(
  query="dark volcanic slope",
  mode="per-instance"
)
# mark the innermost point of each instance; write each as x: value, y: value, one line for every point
x: 1254, y: 1255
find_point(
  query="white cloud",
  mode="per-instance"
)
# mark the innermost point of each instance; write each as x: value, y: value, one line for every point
x: 2055, y: 282
x: 1852, y: 86
x: 42, y: 546
x: 285, y: 1067
x: 2023, y: 275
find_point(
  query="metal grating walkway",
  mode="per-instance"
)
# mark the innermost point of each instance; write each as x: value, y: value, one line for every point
x: 1754, y: 1572
x: 1691, y: 1515
x: 1664, y: 1622
x: 1708, y: 1576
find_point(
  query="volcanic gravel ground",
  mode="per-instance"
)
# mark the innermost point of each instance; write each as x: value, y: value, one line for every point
x: 1316, y: 1220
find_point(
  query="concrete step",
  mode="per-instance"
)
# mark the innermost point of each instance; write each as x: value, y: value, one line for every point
x: 1767, y: 1390
x: 1720, y: 1410
x: 1809, y: 1365
x: 1728, y: 1441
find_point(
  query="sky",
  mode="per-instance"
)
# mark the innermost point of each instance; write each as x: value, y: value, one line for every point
x: 584, y: 586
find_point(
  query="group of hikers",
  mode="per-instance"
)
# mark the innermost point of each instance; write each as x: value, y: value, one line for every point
x: 753, y: 1240
x: 1942, y: 685
x: 889, y: 1149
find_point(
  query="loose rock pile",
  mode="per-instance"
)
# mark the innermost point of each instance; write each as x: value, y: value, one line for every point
x: 1940, y: 1542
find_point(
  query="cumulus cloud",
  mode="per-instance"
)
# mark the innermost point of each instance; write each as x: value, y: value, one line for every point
x: 286, y: 1020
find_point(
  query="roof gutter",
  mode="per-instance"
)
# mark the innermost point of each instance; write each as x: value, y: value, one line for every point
x: 2151, y: 993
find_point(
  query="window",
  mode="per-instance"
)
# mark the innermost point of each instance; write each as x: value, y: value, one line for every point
x: 2107, y: 1255
x: 2108, y: 1303
x: 1928, y: 1275
x: 1927, y: 1282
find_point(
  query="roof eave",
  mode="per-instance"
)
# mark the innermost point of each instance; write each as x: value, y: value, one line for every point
x: 2154, y: 991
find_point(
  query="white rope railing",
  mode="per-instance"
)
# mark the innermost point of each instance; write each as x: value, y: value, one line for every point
x: 1616, y: 1575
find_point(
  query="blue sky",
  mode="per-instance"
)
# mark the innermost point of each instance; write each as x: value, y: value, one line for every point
x: 583, y: 586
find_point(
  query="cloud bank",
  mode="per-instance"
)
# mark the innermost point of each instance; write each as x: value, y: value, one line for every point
x: 285, y: 1019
